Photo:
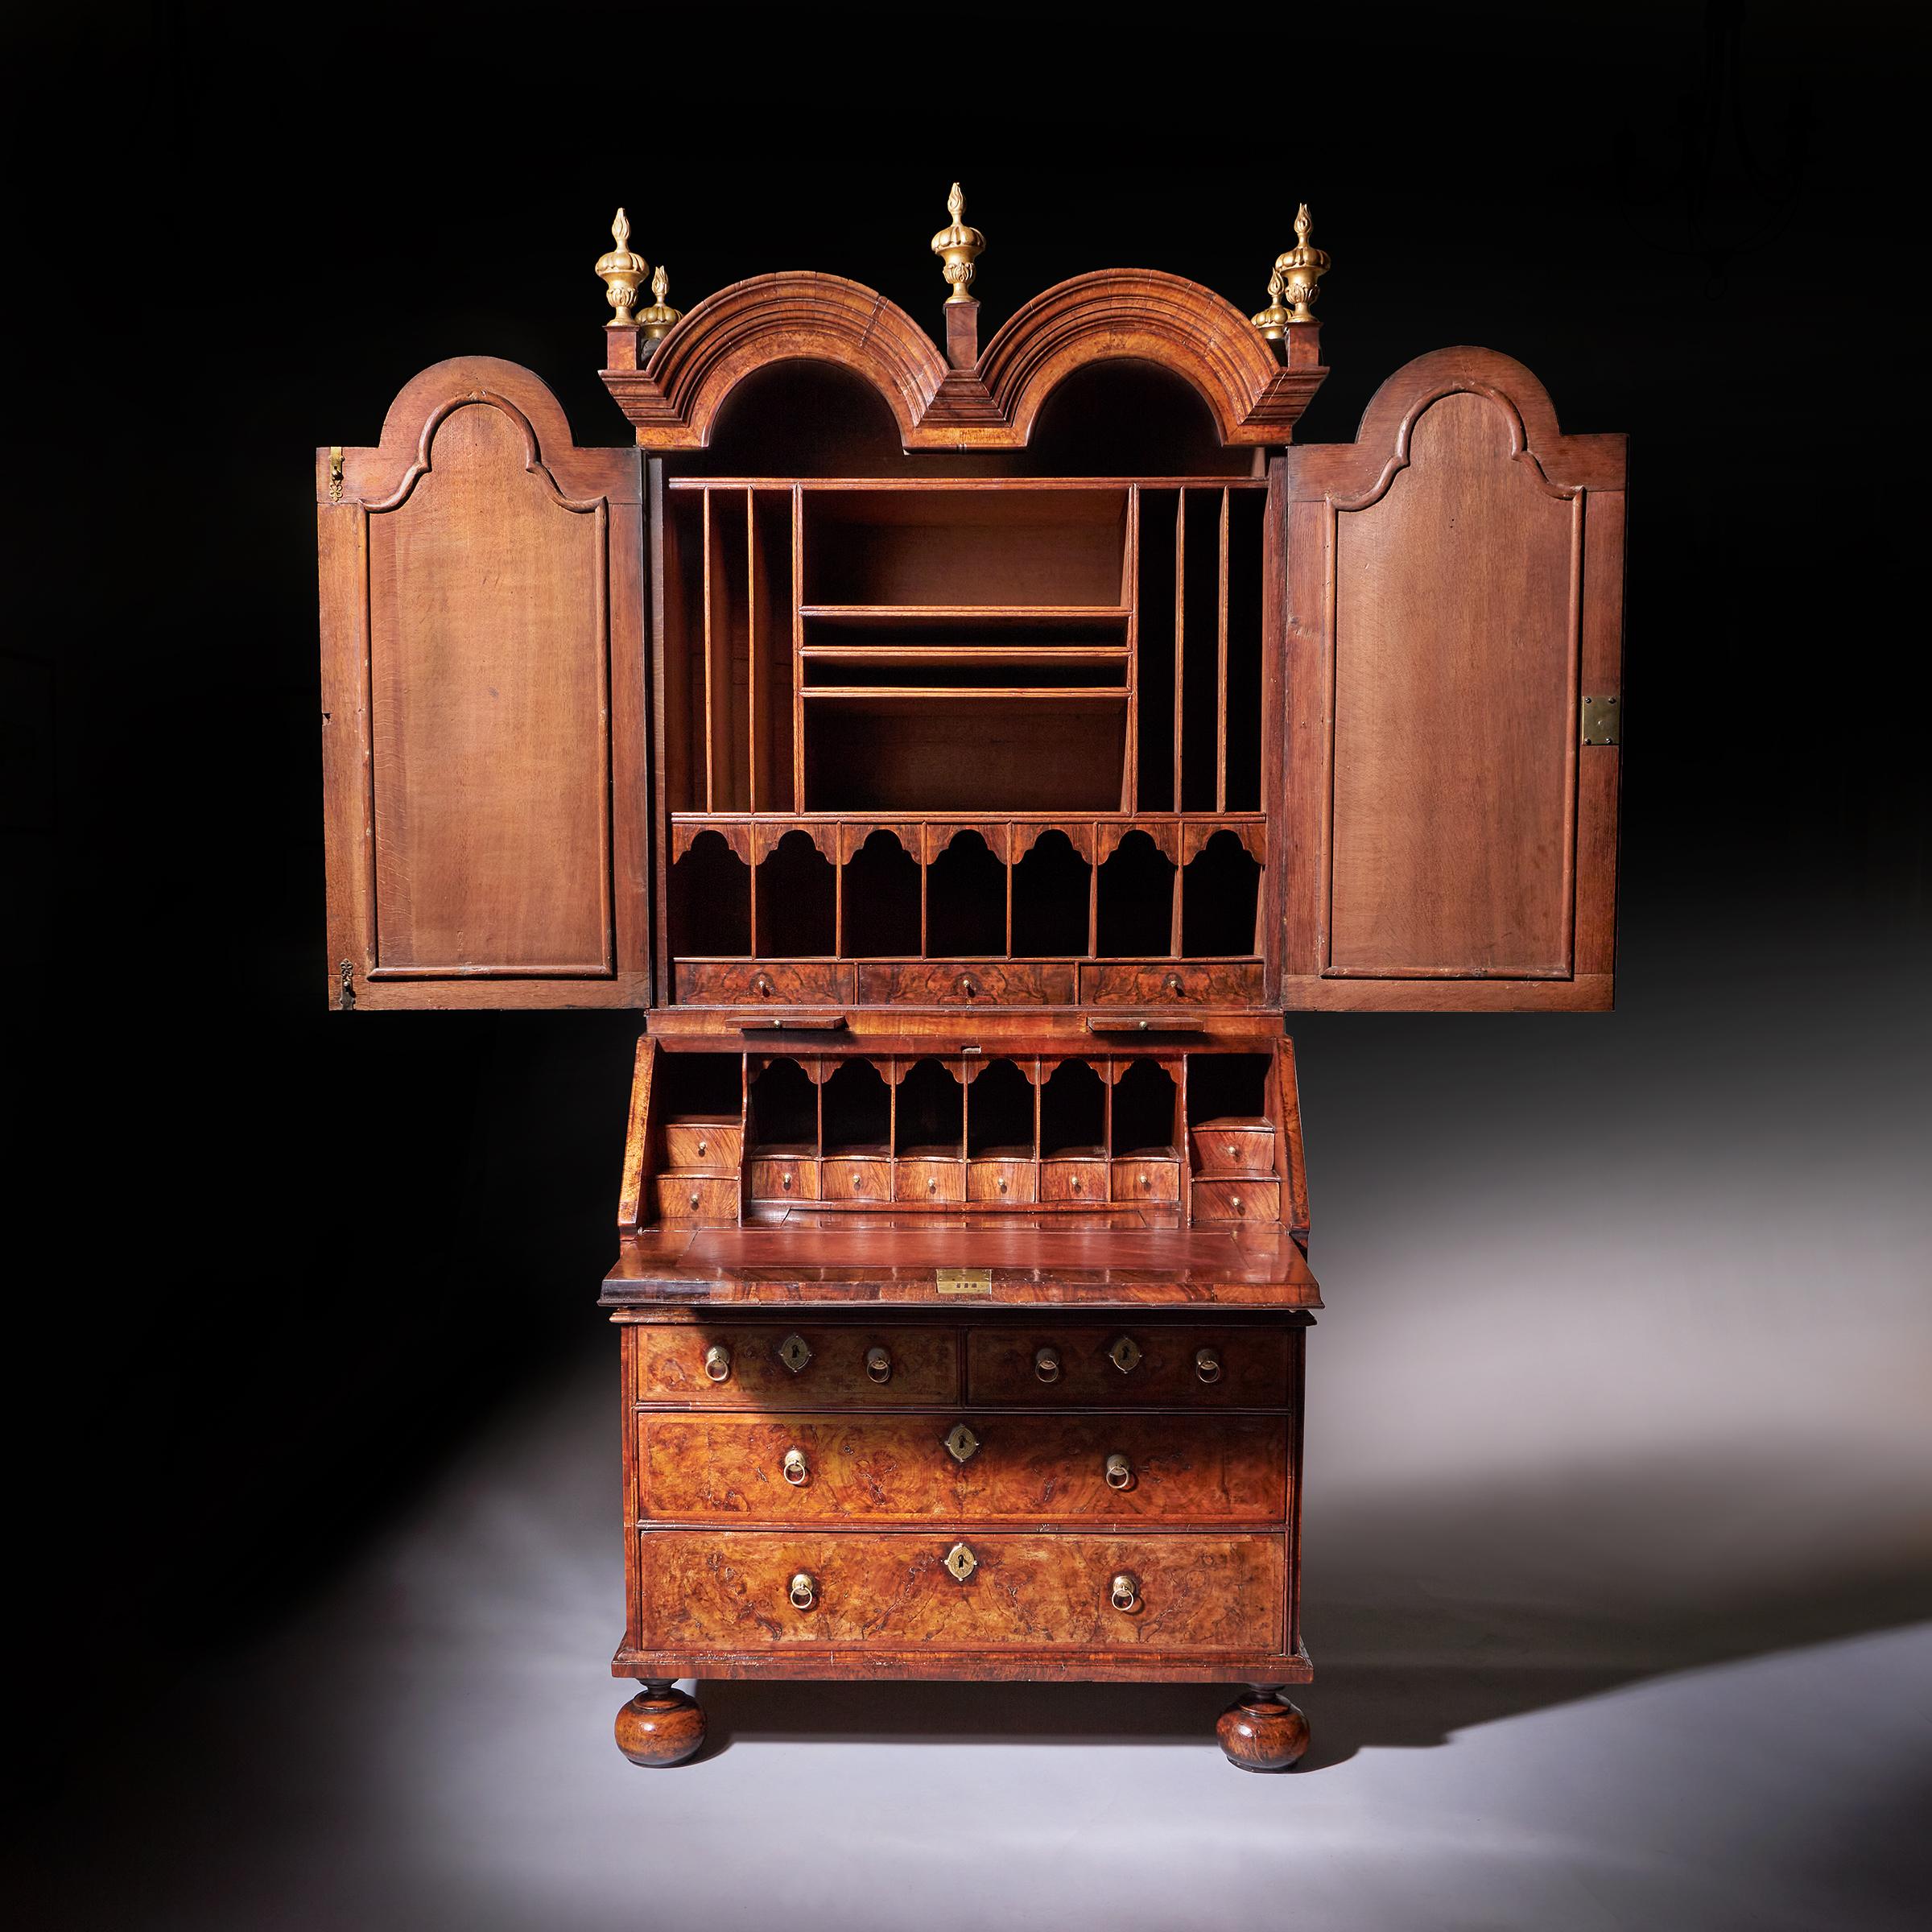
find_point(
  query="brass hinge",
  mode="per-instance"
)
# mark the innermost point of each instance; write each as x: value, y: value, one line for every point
x: 335, y: 473
x: 1602, y: 721
x: 347, y: 969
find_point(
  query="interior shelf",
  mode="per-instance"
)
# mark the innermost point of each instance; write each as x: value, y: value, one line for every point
x: 864, y: 694
x: 871, y: 616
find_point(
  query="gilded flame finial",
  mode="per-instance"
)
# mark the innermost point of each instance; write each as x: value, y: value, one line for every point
x: 1273, y: 321
x: 657, y: 319
x: 623, y: 272
x: 1301, y: 268
x: 957, y: 247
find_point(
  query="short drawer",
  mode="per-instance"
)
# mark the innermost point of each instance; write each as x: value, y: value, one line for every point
x: 925, y: 1180
x: 1233, y: 1146
x: 844, y: 1366
x: 966, y: 983
x: 745, y: 1590
x: 1145, y: 1179
x: 715, y: 1144
x: 848, y: 1178
x: 1018, y: 1468
x: 784, y: 1178
x: 753, y: 982
x: 999, y: 1180
x: 1128, y: 1363
x: 696, y: 1197
x: 1230, y: 1201
x: 1074, y: 1181
x: 1171, y: 982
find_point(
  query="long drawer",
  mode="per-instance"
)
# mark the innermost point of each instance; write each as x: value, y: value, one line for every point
x: 851, y: 1365
x: 745, y: 1590
x: 1128, y: 1364
x: 1016, y: 1468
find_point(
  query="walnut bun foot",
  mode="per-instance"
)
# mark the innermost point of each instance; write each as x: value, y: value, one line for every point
x: 660, y: 1726
x: 1260, y: 1730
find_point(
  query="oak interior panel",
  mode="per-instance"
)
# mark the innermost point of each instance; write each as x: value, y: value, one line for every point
x: 488, y: 715
x: 1455, y: 711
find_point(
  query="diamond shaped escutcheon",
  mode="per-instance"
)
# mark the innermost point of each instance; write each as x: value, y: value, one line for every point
x: 961, y: 1561
x: 794, y: 1352
x: 961, y: 1443
x: 1123, y: 1353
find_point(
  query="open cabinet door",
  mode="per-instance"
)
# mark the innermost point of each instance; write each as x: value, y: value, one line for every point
x: 1455, y: 605
x: 486, y: 810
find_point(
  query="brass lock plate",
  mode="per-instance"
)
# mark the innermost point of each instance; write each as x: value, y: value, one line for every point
x: 794, y: 1352
x: 961, y: 1561
x: 1123, y: 1353
x: 963, y: 1281
x: 1602, y: 721
x: 962, y: 1445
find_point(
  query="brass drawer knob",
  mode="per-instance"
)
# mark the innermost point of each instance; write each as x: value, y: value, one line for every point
x: 703, y: 1149
x: 966, y: 986
x: 1124, y: 1352
x: 1208, y: 1364
x: 1074, y: 1185
x: 760, y: 984
x: 1124, y: 1592
x: 962, y: 1445
x: 961, y: 1561
x: 794, y: 1352
x: 785, y: 1180
x: 1174, y: 986
x: 1234, y: 1201
x: 1119, y: 1472
x: 1234, y: 1153
x: 932, y: 1185
x: 1146, y: 1179
x: 878, y: 1364
x: 1046, y: 1365
x: 804, y: 1591
x: 694, y: 1197
x: 1002, y: 1183
x: 795, y: 1472
x: 717, y: 1362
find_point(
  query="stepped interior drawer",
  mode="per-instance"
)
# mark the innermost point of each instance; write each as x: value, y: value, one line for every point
x: 929, y: 1180
x: 748, y: 1590
x: 850, y: 1366
x: 1216, y: 1202
x: 696, y: 1197
x: 753, y: 982
x: 784, y: 1178
x: 1146, y: 1180
x: 967, y: 1469
x: 1074, y: 1181
x: 966, y: 983
x: 845, y: 1178
x: 712, y: 1146
x: 1233, y: 1146
x: 998, y: 1181
x: 1128, y: 1364
x: 1173, y: 983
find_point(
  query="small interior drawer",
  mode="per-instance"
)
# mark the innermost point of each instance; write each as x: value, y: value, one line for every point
x: 784, y: 1178
x: 710, y: 1145
x: 696, y: 1197
x: 918, y: 1179
x: 1233, y: 1146
x: 1216, y: 1202
x: 1145, y: 1178
x: 1074, y: 1181
x: 850, y: 1178
x: 756, y: 982
x: 1008, y: 1182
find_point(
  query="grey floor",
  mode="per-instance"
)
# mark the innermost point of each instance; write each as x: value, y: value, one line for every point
x: 1619, y: 1536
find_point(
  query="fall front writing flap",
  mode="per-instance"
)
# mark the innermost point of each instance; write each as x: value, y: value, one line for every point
x: 1455, y: 607
x: 483, y: 704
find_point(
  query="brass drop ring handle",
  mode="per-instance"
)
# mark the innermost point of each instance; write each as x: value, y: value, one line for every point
x: 760, y: 984
x: 1046, y: 1365
x: 804, y: 1591
x: 1119, y: 1472
x: 795, y: 1472
x: 878, y: 1364
x: 717, y: 1362
x: 1208, y: 1364
x: 1126, y: 1592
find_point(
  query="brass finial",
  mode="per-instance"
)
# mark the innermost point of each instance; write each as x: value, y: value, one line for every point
x: 956, y: 246
x: 1273, y: 321
x: 1301, y: 268
x: 658, y: 318
x: 623, y: 272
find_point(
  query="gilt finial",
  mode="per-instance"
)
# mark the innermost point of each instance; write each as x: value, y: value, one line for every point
x: 623, y: 272
x: 657, y: 319
x: 1273, y: 321
x: 1301, y: 268
x: 957, y: 247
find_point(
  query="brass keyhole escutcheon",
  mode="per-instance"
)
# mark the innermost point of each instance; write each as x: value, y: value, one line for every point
x: 795, y: 1472
x: 1119, y: 1472
x: 1124, y: 1352
x: 878, y: 1364
x: 717, y: 1362
x: 1124, y: 1592
x: 962, y: 1445
x: 794, y: 1352
x: 961, y: 1561
x: 1046, y: 1365
x: 1208, y: 1364
x: 804, y: 1591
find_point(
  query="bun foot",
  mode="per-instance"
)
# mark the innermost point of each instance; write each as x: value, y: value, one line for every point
x: 1262, y: 1732
x: 660, y: 1726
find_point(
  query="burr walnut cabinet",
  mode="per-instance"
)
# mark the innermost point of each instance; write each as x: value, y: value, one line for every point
x: 962, y: 760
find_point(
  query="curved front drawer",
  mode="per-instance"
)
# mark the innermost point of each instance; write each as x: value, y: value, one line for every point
x: 1026, y: 1469
x: 730, y: 1590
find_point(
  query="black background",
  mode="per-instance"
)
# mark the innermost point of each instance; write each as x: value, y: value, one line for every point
x: 293, y: 1257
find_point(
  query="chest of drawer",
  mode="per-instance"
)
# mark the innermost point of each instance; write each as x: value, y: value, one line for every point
x: 1217, y: 1202
x: 969, y: 1469
x: 738, y: 1590
x: 1129, y: 1365
x: 727, y: 1366
x: 696, y: 1197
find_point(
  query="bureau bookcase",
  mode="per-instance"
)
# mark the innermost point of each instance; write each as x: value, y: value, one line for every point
x: 962, y: 759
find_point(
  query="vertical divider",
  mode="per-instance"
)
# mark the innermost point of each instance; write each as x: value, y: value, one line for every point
x: 754, y: 719
x: 1180, y: 630
x: 1130, y: 596
x: 1181, y: 1144
x: 710, y: 711
x: 1221, y: 675
x: 922, y: 838
x: 1038, y: 1071
x: 797, y: 648
x: 1093, y: 895
x: 1010, y: 842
